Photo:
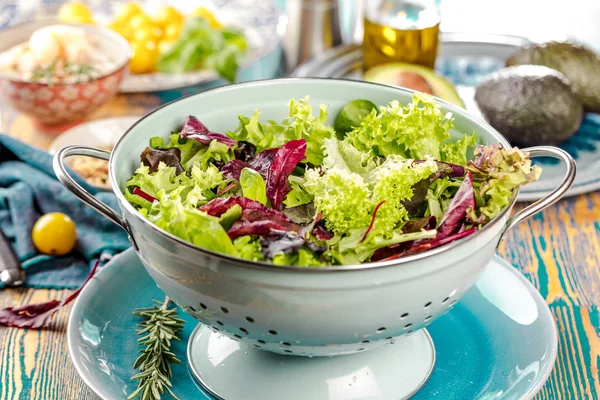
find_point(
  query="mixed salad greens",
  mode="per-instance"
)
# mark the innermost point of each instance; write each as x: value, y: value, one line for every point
x: 387, y: 183
x: 201, y: 45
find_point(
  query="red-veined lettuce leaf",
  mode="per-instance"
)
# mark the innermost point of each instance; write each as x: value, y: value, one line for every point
x: 39, y: 315
x: 194, y: 129
x: 284, y: 163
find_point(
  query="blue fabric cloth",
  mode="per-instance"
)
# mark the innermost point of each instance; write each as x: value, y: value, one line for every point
x: 29, y: 189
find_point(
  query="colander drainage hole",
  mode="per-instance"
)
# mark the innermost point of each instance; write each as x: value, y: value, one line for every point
x: 271, y: 332
x: 220, y: 323
x: 361, y: 349
x: 193, y: 309
x: 250, y: 319
x: 286, y: 343
x: 445, y: 300
x: 366, y: 341
x: 428, y: 318
x: 261, y: 341
x: 409, y: 332
x: 453, y: 303
x: 383, y: 328
x: 237, y: 336
x: 288, y: 351
x: 389, y: 338
x: 404, y: 315
x: 407, y: 326
x: 243, y: 330
x: 226, y: 311
x: 203, y: 306
x: 428, y: 304
x: 256, y: 346
x: 216, y: 329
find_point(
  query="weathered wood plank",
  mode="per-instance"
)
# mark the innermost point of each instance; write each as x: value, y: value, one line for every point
x: 557, y: 250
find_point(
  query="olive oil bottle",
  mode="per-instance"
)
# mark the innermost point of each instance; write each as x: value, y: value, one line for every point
x: 400, y: 31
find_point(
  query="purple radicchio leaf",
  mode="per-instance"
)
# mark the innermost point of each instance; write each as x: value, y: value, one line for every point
x: 217, y: 207
x: 457, y: 212
x: 419, y: 224
x: 170, y: 157
x: 261, y: 222
x: 39, y: 315
x: 194, y: 129
x: 419, y: 246
x: 286, y: 243
x: 286, y: 159
x: 261, y: 164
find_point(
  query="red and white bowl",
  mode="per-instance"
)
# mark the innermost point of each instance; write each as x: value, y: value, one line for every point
x: 56, y: 104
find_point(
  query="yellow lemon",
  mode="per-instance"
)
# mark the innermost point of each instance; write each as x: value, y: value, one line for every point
x: 75, y: 12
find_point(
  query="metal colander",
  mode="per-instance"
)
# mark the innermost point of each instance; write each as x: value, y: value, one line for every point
x: 298, y: 310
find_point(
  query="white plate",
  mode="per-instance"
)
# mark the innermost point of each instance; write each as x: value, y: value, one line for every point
x: 99, y: 133
x: 102, y: 133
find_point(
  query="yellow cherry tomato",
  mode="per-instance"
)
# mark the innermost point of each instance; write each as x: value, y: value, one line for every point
x: 147, y: 33
x: 128, y: 11
x: 168, y: 15
x: 144, y: 57
x: 75, y: 12
x: 172, y: 31
x: 54, y: 234
x: 164, y: 45
x: 139, y: 20
x: 206, y: 13
x: 122, y: 29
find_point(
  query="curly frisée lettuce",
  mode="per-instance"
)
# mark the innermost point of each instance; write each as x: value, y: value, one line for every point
x: 296, y: 192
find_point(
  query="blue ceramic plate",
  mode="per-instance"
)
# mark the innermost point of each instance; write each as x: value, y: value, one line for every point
x: 499, y: 342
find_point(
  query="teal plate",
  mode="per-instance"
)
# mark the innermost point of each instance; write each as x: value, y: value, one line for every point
x: 499, y: 342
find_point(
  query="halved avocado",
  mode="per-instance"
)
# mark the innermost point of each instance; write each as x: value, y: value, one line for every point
x: 415, y: 77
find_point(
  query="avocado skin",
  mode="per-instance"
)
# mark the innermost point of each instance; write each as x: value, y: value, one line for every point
x: 579, y: 64
x: 441, y: 87
x: 530, y: 105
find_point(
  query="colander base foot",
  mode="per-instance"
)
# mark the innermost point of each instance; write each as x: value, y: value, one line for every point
x: 232, y: 370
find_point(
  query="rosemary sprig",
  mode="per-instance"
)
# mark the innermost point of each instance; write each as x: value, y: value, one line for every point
x: 159, y: 326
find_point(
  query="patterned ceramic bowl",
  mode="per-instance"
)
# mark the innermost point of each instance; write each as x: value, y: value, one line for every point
x: 59, y: 104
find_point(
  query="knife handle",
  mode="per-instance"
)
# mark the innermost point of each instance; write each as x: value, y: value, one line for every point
x: 11, y: 272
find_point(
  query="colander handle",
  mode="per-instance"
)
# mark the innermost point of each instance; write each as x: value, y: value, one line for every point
x: 556, y: 194
x: 60, y: 169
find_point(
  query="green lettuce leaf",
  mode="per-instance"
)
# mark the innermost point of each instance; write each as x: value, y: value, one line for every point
x: 343, y: 198
x: 343, y: 155
x: 165, y: 178
x: 352, y: 247
x: 299, y: 124
x: 253, y: 185
x: 190, y: 224
x: 393, y: 182
x: 416, y: 130
x: 304, y: 258
x: 456, y: 152
x: 248, y: 248
x: 501, y: 172
x: 298, y: 195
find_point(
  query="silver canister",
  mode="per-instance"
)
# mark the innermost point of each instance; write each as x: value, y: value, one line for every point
x: 313, y: 26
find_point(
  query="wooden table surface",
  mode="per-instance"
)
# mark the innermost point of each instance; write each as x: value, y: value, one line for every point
x: 558, y: 250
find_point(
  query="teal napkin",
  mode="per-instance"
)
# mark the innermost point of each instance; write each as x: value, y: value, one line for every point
x: 29, y: 189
